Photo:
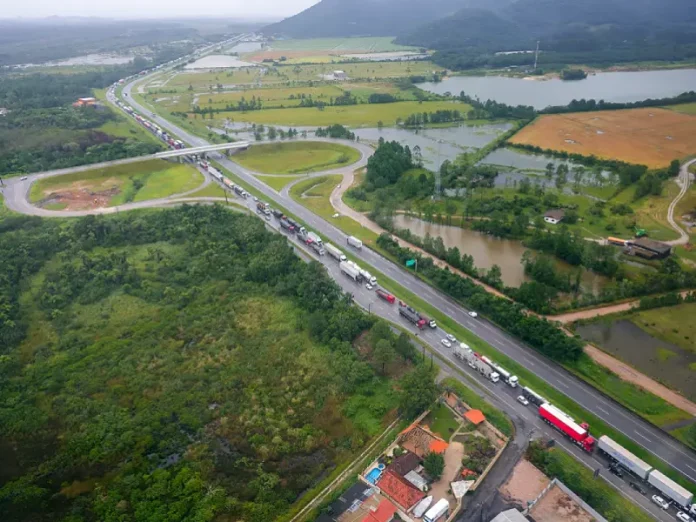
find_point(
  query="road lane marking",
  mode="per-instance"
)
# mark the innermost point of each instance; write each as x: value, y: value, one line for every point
x: 643, y: 437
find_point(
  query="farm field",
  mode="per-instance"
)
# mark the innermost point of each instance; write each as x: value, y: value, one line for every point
x: 648, y: 136
x: 362, y: 115
x: 684, y: 108
x: 325, y: 48
x: 296, y: 157
x: 673, y: 324
x: 117, y: 185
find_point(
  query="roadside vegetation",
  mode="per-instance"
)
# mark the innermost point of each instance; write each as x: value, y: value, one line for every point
x: 240, y: 316
x: 298, y: 157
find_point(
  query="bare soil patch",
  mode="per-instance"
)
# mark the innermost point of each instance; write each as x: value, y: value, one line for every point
x: 80, y: 199
x: 526, y: 483
x: 556, y: 506
x: 649, y: 136
x: 277, y: 55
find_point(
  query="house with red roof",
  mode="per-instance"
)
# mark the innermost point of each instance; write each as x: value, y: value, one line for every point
x: 398, y: 489
x: 384, y: 512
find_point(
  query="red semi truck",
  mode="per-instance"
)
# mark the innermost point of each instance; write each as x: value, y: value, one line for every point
x: 578, y: 433
x: 385, y: 295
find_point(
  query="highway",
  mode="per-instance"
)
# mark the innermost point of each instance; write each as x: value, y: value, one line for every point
x: 641, y: 432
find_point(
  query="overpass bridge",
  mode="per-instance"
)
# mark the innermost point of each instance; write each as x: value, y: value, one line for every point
x: 236, y: 145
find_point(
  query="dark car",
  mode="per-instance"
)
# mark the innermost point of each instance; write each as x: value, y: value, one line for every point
x: 616, y: 470
x: 637, y: 487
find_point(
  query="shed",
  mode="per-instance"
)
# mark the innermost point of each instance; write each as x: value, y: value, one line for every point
x: 511, y: 515
x: 476, y: 417
x: 339, y: 75
x: 554, y: 216
x: 415, y: 479
x: 661, y: 250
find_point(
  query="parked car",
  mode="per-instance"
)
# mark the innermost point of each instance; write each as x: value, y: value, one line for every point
x: 522, y: 400
x: 637, y: 487
x: 369, y: 286
x: 657, y: 499
x: 451, y: 338
x: 683, y: 517
x: 446, y: 343
x: 473, y: 314
x: 24, y: 178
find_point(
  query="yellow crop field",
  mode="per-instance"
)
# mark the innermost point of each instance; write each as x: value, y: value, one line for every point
x: 648, y: 136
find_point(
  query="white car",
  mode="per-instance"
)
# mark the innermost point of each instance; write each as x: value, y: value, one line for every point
x: 255, y: 198
x: 24, y: 178
x: 522, y: 400
x: 683, y: 517
x: 657, y: 499
x: 473, y: 314
x: 451, y: 338
x: 369, y: 286
x: 446, y: 343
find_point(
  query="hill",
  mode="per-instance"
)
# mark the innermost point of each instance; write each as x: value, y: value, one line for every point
x: 340, y: 18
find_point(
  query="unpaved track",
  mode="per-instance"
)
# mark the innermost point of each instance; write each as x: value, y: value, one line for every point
x: 685, y: 176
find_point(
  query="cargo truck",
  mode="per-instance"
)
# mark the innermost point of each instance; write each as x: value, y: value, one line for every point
x: 317, y: 248
x: 315, y: 238
x: 335, y: 252
x: 430, y: 322
x: 385, y: 295
x: 367, y: 276
x: 411, y: 315
x: 483, y: 366
x: 578, y: 433
x: 506, y: 376
x: 350, y: 271
x: 533, y: 396
x: 621, y: 455
x: 286, y: 225
x: 670, y: 489
x: 355, y: 242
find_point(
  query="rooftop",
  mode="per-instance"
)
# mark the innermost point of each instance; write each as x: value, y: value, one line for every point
x: 651, y: 244
x: 476, y: 417
x: 349, y: 501
x: 384, y: 512
x: 399, y: 490
x: 402, y: 464
x: 557, y: 214
x: 511, y: 515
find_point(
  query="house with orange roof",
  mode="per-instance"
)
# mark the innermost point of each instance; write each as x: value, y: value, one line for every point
x: 399, y: 490
x: 384, y: 512
x: 475, y: 417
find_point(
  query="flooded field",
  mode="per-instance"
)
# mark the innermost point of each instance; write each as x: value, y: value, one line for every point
x: 246, y: 47
x: 611, y: 86
x: 660, y: 360
x: 218, y: 61
x: 87, y: 59
x: 488, y: 251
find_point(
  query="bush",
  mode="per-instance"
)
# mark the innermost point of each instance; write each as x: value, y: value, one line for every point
x: 434, y: 465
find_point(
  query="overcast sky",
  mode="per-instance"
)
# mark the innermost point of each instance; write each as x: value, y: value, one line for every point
x: 151, y: 8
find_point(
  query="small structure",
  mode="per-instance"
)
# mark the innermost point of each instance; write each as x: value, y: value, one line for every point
x: 339, y: 75
x: 402, y: 464
x: 511, y: 515
x: 651, y: 248
x: 3, y: 111
x: 475, y: 417
x: 421, y: 441
x: 384, y: 512
x: 461, y: 487
x: 555, y: 216
x: 85, y: 102
x: 414, y: 478
x: 399, y: 490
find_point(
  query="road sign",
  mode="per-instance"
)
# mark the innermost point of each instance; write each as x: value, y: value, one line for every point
x: 410, y: 263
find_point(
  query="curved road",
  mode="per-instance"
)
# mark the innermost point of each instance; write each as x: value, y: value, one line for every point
x: 685, y: 182
x: 633, y: 427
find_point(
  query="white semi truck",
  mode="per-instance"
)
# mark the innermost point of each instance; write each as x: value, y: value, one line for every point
x: 335, y: 252
x: 355, y: 242
x: 505, y: 375
x: 350, y: 271
x: 476, y: 362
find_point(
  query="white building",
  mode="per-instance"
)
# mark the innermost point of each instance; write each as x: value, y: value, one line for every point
x: 554, y: 217
x: 339, y: 75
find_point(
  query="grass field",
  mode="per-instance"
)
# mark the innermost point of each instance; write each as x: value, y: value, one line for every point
x: 372, y: 44
x: 117, y: 185
x: 651, y: 137
x: 278, y: 182
x: 213, y: 190
x: 684, y: 108
x: 363, y: 115
x: 442, y: 421
x: 319, y: 189
x: 296, y: 157
x: 673, y: 324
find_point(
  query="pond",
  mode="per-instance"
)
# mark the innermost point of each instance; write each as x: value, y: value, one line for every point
x: 218, y: 61
x: 246, y: 47
x: 610, y: 86
x: 488, y: 251
x: 660, y: 360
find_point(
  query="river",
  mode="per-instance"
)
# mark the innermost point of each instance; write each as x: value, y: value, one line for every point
x: 660, y: 360
x: 610, y: 86
x: 488, y: 251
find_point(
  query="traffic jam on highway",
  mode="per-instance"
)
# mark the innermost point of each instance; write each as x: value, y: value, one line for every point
x: 640, y: 476
x: 643, y: 478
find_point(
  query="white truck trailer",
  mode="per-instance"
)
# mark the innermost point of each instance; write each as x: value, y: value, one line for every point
x: 628, y: 460
x: 440, y: 509
x: 335, y: 252
x: 506, y: 376
x: 670, y: 489
x: 350, y: 271
x: 367, y: 276
x: 355, y: 242
x: 476, y: 362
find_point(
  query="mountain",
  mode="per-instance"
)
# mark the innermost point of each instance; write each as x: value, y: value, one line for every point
x: 340, y: 18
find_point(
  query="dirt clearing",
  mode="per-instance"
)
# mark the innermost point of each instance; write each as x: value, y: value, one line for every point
x: 649, y: 136
x: 556, y: 506
x: 526, y: 483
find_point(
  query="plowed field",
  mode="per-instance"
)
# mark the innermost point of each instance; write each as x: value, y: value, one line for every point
x: 649, y: 136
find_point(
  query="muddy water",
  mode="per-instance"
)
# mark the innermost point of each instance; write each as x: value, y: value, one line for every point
x: 488, y: 251
x: 658, y: 359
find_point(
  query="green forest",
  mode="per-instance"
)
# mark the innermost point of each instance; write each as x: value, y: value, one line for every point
x: 181, y: 364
